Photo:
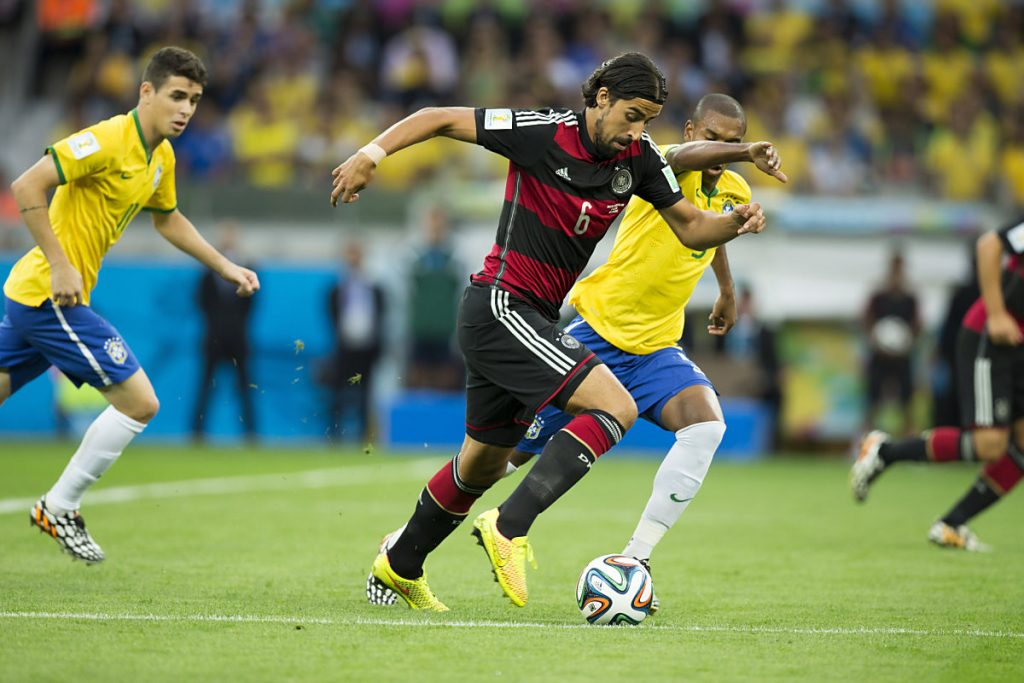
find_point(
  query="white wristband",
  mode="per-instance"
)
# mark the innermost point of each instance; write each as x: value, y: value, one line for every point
x: 375, y: 152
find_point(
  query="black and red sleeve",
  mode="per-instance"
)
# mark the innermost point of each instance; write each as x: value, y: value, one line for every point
x: 521, y: 136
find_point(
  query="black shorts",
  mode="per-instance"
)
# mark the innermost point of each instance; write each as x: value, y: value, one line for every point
x: 990, y: 380
x: 890, y: 375
x: 517, y: 362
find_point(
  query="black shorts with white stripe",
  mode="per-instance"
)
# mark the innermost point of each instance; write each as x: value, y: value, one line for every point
x: 517, y: 362
x: 990, y: 381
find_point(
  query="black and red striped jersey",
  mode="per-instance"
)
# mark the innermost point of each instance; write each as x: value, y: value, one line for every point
x: 560, y: 199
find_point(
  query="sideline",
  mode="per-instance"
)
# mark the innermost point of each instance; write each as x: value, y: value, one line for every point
x: 476, y: 624
x: 359, y: 475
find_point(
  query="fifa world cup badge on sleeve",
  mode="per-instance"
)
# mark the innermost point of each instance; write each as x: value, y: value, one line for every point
x: 83, y: 144
x: 498, y: 119
x: 671, y: 178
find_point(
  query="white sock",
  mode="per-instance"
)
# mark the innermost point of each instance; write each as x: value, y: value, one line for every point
x: 103, y: 442
x: 678, y: 479
x: 510, y: 469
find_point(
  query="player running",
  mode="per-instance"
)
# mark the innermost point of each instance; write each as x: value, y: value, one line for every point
x: 990, y: 374
x: 570, y: 175
x: 632, y: 312
x: 104, y: 176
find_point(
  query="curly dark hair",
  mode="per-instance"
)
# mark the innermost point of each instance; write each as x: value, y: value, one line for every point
x: 627, y: 76
x: 174, y: 61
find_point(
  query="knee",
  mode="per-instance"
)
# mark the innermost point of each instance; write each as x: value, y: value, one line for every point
x: 700, y: 442
x: 624, y: 411
x: 990, y: 444
x: 703, y: 435
x: 145, y: 409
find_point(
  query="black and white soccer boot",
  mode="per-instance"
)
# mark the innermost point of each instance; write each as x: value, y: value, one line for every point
x: 376, y: 592
x: 68, y: 530
x: 868, y: 466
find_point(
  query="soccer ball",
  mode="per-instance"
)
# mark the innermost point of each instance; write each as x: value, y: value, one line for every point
x: 614, y: 589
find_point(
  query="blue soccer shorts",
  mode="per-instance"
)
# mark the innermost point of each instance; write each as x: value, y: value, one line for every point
x: 652, y: 379
x: 76, y: 340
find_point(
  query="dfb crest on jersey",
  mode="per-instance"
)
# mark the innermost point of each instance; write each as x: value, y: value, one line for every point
x: 569, y: 341
x: 728, y: 206
x: 1002, y: 409
x: 622, y: 181
x: 116, y: 350
x: 535, y: 428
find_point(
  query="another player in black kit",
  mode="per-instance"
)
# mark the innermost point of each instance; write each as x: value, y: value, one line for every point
x: 570, y: 175
x: 990, y: 377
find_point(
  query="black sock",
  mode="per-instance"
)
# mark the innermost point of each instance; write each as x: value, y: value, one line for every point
x: 914, y: 448
x: 566, y: 457
x: 429, y: 525
x: 978, y: 498
x: 563, y: 462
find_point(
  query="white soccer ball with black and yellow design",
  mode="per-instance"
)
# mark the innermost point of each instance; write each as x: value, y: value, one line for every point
x: 614, y: 589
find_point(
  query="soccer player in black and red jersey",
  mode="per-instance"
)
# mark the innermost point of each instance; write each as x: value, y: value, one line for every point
x: 570, y: 175
x: 990, y: 375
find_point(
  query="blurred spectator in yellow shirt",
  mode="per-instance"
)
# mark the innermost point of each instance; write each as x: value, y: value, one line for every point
x: 960, y: 156
x: 947, y: 67
x: 773, y: 36
x: 265, y: 146
x: 766, y: 120
x: 1012, y: 162
x: 976, y: 17
x: 885, y: 66
x: 1004, y: 63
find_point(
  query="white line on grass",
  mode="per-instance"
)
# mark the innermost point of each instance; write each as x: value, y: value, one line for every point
x: 360, y: 475
x: 446, y: 623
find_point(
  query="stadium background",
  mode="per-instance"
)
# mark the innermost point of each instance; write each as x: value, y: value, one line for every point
x: 900, y: 125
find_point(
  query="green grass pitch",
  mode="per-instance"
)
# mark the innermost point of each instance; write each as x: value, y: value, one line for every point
x: 250, y: 565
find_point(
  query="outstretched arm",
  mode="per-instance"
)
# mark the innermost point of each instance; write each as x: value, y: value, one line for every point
x: 705, y: 229
x: 701, y: 154
x: 30, y: 190
x: 458, y: 123
x: 723, y: 315
x: 180, y: 232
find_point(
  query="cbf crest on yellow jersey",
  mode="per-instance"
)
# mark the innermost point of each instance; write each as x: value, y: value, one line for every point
x: 107, y: 175
x: 636, y: 299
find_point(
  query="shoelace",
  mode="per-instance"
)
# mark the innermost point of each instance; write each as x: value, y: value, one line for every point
x: 529, y: 554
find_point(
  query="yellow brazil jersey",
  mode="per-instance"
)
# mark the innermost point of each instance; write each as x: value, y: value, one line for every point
x: 107, y: 175
x: 636, y: 299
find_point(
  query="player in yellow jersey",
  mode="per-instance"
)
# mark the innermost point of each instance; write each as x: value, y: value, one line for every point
x: 631, y: 314
x: 103, y: 175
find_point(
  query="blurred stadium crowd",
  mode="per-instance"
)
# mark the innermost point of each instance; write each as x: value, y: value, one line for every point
x: 863, y: 97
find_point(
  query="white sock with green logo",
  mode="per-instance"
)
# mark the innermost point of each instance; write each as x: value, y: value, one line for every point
x: 678, y: 479
x: 102, y: 444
